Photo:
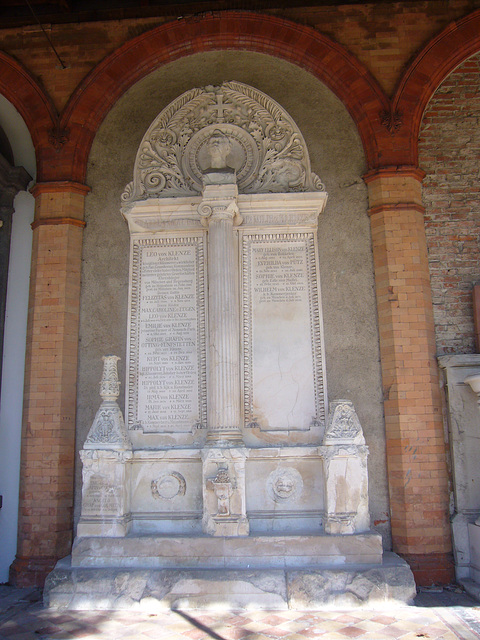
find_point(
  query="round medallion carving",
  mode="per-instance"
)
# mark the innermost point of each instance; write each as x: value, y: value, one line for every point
x: 243, y: 157
x: 268, y: 152
x: 284, y: 485
x: 169, y: 486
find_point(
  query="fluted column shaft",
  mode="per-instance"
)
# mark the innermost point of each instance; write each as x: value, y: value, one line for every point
x: 219, y: 211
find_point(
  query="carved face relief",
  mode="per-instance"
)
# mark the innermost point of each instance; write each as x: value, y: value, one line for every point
x: 284, y: 485
x: 218, y: 147
x: 232, y: 126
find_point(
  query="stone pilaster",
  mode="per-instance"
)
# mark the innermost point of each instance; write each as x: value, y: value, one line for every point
x: 416, y: 450
x: 48, y: 432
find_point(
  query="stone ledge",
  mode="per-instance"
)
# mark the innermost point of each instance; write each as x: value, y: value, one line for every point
x: 159, y: 590
x: 207, y: 552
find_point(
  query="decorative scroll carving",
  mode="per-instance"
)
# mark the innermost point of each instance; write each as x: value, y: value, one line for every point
x: 223, y: 488
x: 224, y: 501
x: 263, y: 145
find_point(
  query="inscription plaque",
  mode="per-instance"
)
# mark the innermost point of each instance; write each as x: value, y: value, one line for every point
x: 283, y: 380
x: 100, y: 497
x: 167, y: 377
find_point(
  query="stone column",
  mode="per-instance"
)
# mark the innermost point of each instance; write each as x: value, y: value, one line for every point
x: 416, y: 450
x: 224, y: 504
x: 12, y: 180
x: 219, y: 212
x: 48, y: 432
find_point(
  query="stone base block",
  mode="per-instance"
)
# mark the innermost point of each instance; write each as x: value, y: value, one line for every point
x: 154, y: 590
x: 207, y: 552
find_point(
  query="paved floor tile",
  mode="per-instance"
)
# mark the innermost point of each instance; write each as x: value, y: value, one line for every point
x: 446, y: 615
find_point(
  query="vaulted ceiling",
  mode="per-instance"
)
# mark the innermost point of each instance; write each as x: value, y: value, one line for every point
x: 23, y: 12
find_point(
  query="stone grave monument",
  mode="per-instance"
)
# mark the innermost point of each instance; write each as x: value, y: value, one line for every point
x: 230, y: 482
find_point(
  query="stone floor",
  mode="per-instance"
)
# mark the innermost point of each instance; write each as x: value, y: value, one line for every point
x: 438, y: 614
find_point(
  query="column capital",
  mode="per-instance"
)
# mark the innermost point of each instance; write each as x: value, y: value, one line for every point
x: 395, y: 171
x: 219, y: 203
x: 60, y: 186
x: 396, y: 187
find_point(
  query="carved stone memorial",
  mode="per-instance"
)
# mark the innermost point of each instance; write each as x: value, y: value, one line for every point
x: 227, y: 460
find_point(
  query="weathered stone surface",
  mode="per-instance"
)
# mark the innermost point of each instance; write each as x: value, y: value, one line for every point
x: 164, y: 552
x: 463, y: 425
x: 155, y: 590
x: 347, y: 588
x: 224, y: 288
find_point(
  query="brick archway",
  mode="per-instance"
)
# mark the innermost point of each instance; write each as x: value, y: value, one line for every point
x: 26, y: 95
x: 452, y: 46
x: 328, y: 61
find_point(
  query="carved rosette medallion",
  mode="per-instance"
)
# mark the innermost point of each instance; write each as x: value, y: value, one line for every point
x: 168, y: 486
x: 268, y: 152
x: 284, y: 485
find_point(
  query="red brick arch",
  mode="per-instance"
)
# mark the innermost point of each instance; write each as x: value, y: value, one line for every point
x: 452, y: 46
x: 234, y: 30
x: 30, y: 100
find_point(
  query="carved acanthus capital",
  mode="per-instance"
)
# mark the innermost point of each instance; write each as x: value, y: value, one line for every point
x: 219, y: 203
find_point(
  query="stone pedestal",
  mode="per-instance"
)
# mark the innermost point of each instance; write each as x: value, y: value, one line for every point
x: 106, y: 474
x: 105, y: 494
x: 346, y: 476
x: 224, y: 503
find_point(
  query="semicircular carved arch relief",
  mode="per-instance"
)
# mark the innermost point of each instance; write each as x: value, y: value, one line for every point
x: 267, y: 150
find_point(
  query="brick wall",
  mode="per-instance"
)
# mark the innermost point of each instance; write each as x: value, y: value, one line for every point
x: 450, y: 155
x: 383, y: 39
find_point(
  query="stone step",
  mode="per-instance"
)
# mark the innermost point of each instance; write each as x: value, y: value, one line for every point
x: 153, y: 590
x: 208, y: 552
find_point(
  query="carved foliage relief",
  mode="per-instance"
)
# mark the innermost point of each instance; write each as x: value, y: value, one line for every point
x: 268, y: 151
